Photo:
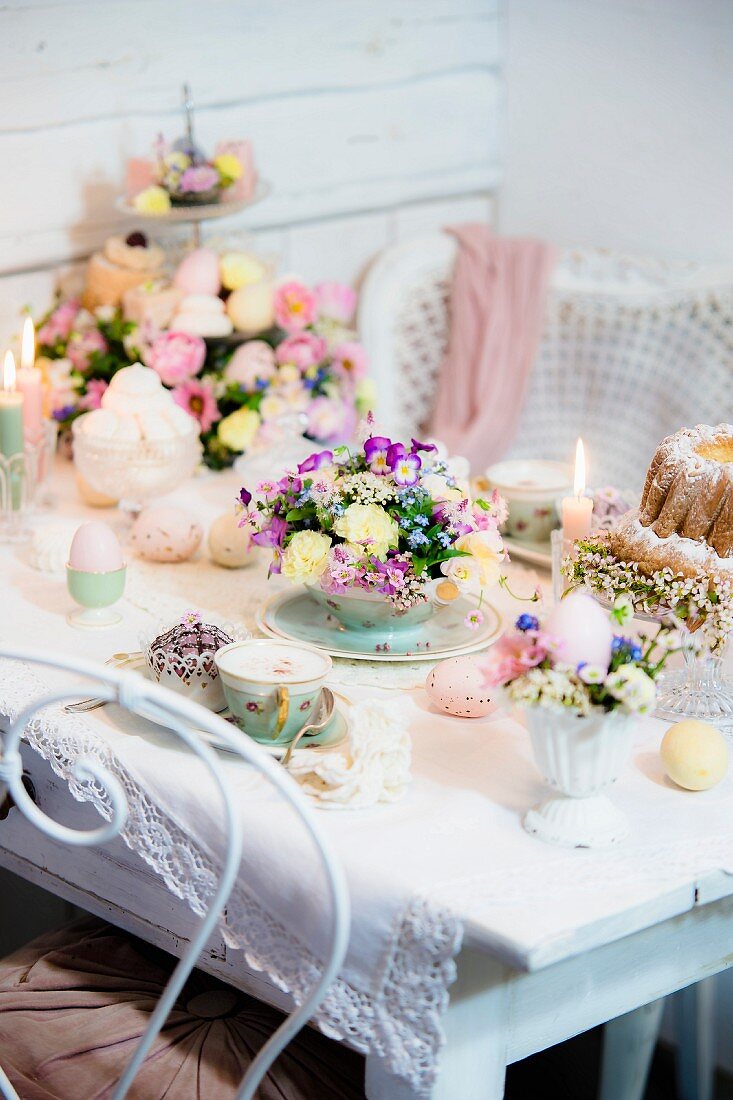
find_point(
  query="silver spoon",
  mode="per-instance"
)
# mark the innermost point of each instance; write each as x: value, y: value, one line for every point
x: 117, y: 660
x: 328, y: 703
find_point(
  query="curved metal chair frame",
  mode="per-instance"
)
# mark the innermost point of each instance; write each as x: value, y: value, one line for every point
x: 184, y: 719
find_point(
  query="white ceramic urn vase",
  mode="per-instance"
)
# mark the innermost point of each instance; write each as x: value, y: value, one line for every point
x: 579, y: 757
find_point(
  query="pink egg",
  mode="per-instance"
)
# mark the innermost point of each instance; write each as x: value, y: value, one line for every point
x: 95, y: 548
x: 457, y: 687
x: 198, y: 273
x: 583, y: 629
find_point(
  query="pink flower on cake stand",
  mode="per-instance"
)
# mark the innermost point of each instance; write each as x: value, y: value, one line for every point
x: 92, y: 399
x: 198, y: 399
x: 304, y: 350
x: 59, y: 324
x: 83, y: 345
x: 295, y: 307
x: 335, y: 301
x: 350, y: 360
x: 251, y: 363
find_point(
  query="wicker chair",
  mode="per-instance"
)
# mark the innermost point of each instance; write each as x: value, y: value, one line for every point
x: 632, y: 350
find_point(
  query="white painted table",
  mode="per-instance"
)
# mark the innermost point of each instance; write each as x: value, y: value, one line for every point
x: 554, y: 942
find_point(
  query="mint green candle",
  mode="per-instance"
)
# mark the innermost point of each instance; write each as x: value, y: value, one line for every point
x: 11, y: 424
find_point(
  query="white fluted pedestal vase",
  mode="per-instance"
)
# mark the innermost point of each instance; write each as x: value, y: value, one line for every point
x: 579, y: 758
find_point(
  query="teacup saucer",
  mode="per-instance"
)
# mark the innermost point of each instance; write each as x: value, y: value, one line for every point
x: 333, y: 735
x: 533, y: 553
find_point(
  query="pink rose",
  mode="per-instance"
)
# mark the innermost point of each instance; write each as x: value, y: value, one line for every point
x: 176, y: 356
x: 331, y: 421
x: 304, y: 350
x: 251, y: 362
x: 59, y: 324
x: 335, y: 301
x: 83, y: 345
x: 295, y: 307
x: 200, y: 178
x: 350, y: 360
x: 92, y: 399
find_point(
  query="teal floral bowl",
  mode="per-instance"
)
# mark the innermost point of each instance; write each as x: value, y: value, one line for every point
x: 372, y: 614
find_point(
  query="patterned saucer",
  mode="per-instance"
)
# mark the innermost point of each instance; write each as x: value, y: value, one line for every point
x: 295, y: 616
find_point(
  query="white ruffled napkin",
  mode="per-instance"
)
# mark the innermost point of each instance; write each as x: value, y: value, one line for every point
x: 372, y: 765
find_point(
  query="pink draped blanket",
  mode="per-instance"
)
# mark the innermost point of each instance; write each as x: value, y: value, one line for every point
x: 497, y: 309
x: 74, y: 1003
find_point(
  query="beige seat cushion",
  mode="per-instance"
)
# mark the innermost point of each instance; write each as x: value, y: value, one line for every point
x: 74, y: 1002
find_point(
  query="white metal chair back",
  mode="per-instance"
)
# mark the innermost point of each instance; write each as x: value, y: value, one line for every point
x: 185, y: 719
x: 632, y: 349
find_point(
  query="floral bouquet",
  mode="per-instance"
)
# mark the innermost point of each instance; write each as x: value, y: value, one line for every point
x: 540, y: 667
x: 308, y: 368
x: 386, y: 520
x: 185, y: 179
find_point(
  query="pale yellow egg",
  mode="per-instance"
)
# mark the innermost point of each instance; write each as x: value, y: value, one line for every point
x: 694, y: 754
x: 251, y: 308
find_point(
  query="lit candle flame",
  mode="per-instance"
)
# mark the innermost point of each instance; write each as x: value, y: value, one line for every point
x: 28, y: 344
x: 9, y: 372
x: 579, y: 483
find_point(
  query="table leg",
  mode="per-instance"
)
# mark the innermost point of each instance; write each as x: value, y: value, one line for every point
x: 628, y: 1046
x: 695, y: 1030
x: 472, y: 1064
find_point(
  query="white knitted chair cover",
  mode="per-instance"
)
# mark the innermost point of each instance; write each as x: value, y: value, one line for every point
x: 632, y: 350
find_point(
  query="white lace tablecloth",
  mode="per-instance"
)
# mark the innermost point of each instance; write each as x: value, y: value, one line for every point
x: 450, y: 859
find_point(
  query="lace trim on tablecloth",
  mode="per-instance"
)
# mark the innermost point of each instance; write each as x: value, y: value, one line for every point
x: 402, y: 1025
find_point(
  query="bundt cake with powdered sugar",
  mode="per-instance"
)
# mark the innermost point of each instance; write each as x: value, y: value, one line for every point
x: 685, y: 519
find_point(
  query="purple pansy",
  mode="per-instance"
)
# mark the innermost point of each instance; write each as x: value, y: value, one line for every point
x: 376, y: 449
x: 429, y: 448
x: 315, y: 462
x: 406, y: 468
x: 273, y: 534
x: 244, y: 498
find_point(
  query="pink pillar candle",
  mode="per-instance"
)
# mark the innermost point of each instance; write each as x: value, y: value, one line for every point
x: 576, y: 517
x: 29, y: 382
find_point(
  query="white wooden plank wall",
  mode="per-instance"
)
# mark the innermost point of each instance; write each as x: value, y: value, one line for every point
x: 370, y: 122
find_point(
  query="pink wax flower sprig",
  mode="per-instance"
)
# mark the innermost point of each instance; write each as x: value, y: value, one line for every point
x: 386, y: 518
x: 546, y: 665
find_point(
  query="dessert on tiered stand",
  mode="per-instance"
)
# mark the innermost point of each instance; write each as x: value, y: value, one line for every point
x: 685, y: 520
x: 123, y: 264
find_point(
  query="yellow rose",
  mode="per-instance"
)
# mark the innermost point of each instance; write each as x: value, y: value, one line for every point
x: 237, y: 430
x: 370, y: 526
x: 306, y: 556
x: 153, y: 200
x: 287, y: 374
x: 272, y: 406
x: 229, y: 168
x: 240, y: 269
x: 487, y: 552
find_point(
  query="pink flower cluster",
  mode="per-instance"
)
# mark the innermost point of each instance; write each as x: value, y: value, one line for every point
x: 517, y: 653
x: 297, y: 307
x: 176, y: 357
x: 59, y: 324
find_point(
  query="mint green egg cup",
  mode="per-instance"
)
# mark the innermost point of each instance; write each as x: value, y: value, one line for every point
x: 96, y: 592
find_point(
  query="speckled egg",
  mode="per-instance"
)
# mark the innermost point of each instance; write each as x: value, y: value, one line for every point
x: 229, y: 544
x: 166, y: 534
x: 198, y: 273
x: 694, y: 754
x: 456, y: 686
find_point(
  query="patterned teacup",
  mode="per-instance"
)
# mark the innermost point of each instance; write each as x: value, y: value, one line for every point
x: 272, y: 687
x: 530, y: 488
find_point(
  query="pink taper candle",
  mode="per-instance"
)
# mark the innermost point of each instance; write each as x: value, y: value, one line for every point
x: 577, y: 510
x: 29, y: 382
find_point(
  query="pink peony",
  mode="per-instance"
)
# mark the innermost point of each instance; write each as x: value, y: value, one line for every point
x: 83, y: 345
x: 59, y: 324
x: 176, y: 356
x: 200, y: 178
x: 304, y: 350
x: 350, y: 360
x: 335, y: 301
x: 331, y: 421
x: 197, y: 398
x: 251, y: 362
x: 295, y: 307
x: 512, y: 655
x: 92, y: 399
